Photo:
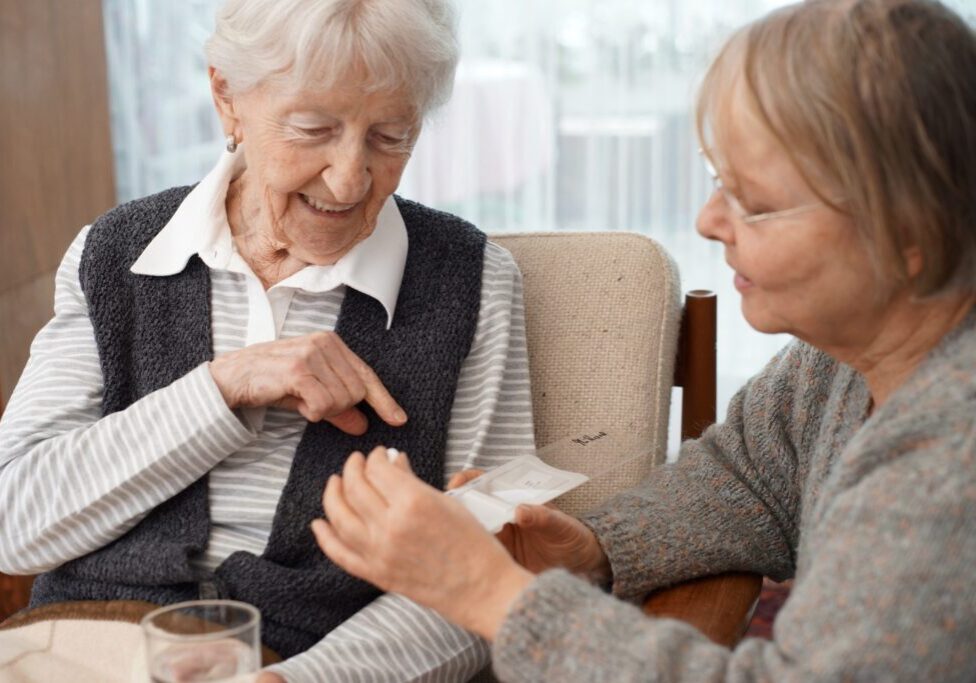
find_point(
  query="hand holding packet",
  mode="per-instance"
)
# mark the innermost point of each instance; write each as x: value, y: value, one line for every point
x: 592, y: 466
x: 493, y: 497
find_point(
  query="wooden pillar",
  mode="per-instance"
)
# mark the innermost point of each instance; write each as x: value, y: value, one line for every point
x: 56, y: 160
x: 55, y: 169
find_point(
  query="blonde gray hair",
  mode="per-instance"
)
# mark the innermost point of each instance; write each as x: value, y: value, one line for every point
x: 406, y: 45
x: 875, y: 99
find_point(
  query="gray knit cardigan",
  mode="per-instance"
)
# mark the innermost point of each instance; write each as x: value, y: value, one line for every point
x: 875, y: 517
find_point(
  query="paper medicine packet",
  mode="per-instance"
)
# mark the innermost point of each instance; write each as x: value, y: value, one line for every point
x: 493, y: 497
x: 598, y: 463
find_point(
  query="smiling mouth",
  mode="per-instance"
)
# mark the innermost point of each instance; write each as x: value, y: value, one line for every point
x: 326, y: 207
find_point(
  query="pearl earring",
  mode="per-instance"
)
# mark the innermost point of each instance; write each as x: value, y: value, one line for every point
x: 231, y: 143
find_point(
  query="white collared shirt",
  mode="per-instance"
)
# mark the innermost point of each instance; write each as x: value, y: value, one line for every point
x: 374, y: 266
x: 109, y: 472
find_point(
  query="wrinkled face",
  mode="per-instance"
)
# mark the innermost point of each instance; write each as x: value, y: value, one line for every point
x: 808, y: 274
x: 320, y: 163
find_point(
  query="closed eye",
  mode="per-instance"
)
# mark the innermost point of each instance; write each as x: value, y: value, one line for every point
x: 748, y: 204
x: 393, y: 143
x: 314, y: 132
x: 753, y: 208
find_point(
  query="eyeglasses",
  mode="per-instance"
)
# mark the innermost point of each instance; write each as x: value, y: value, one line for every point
x: 740, y: 211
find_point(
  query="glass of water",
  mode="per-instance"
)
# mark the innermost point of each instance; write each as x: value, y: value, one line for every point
x: 202, y: 640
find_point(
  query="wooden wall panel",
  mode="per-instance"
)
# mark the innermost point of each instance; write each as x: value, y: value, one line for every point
x: 55, y: 154
x: 55, y: 170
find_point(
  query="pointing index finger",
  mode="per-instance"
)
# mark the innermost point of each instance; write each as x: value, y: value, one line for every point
x: 376, y: 393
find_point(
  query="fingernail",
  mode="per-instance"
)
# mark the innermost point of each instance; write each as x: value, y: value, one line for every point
x: 400, y: 416
x: 391, y: 454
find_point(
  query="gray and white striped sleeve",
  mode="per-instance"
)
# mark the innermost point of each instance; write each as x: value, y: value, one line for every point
x: 71, y: 480
x: 393, y: 639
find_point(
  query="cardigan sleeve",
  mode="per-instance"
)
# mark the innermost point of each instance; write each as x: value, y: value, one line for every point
x: 886, y: 594
x: 732, y: 500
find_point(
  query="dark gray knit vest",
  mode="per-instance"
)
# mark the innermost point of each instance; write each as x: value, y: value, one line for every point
x: 152, y: 330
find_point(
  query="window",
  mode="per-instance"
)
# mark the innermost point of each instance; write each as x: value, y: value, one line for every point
x: 567, y: 115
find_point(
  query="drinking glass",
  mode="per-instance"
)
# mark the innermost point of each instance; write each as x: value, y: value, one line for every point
x: 202, y: 640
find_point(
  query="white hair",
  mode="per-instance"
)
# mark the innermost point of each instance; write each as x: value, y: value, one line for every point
x: 407, y: 45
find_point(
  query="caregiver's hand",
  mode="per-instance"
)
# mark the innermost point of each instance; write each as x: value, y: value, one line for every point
x: 543, y: 537
x: 393, y: 530
x: 315, y: 374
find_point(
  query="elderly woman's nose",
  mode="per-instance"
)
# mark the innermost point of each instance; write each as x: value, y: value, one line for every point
x: 714, y: 222
x: 348, y: 177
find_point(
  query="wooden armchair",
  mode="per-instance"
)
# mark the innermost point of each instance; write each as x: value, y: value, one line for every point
x: 608, y: 338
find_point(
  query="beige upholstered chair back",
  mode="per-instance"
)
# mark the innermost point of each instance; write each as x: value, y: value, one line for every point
x: 602, y: 313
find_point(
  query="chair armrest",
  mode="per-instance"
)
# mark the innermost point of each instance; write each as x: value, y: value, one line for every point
x: 14, y: 594
x: 720, y: 606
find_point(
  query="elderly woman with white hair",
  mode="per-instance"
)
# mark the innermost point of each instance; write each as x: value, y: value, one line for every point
x: 218, y: 350
x: 843, y: 136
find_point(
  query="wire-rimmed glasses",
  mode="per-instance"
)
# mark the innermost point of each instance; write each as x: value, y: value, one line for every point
x: 739, y: 210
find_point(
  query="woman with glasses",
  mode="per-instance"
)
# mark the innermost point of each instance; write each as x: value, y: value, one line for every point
x: 843, y: 134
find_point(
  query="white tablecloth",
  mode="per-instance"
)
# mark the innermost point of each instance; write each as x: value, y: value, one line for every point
x: 77, y: 650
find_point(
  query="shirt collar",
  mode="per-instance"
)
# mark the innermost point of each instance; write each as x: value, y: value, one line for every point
x: 374, y: 266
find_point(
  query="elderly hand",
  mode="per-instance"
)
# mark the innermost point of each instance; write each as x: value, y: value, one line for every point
x: 391, y: 529
x: 543, y: 537
x: 315, y: 374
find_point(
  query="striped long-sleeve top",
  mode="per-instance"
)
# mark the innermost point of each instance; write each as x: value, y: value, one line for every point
x: 66, y: 491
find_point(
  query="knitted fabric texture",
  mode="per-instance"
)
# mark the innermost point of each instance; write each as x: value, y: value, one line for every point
x: 152, y: 330
x: 872, y: 515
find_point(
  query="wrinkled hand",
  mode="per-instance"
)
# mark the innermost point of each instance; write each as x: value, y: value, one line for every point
x: 543, y: 537
x: 391, y: 529
x: 315, y: 374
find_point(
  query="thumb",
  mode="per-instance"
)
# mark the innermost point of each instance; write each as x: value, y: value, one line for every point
x: 531, y: 515
x: 399, y: 459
